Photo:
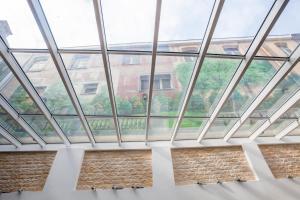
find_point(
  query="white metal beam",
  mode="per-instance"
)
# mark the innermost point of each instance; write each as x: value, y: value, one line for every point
x: 288, y: 129
x: 263, y: 32
x: 205, y: 44
x: 106, y: 64
x: 153, y: 63
x: 282, y: 72
x: 288, y: 104
x: 9, y: 137
x: 41, y: 20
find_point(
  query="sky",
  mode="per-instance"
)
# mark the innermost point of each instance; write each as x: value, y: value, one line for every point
x: 73, y: 22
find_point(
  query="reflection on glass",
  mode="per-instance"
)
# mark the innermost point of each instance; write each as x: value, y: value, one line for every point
x: 171, y: 78
x: 214, y: 76
x: 44, y: 129
x: 295, y: 132
x: 235, y: 29
x: 72, y: 128
x: 103, y: 129
x: 130, y: 77
x: 43, y: 75
x: 132, y: 129
x: 18, y: 27
x: 73, y: 23
x: 87, y: 74
x: 276, y: 127
x: 183, y: 24
x: 220, y: 128
x: 282, y: 92
x: 190, y: 128
x: 255, y: 78
x: 248, y: 127
x: 3, y: 141
x: 12, y: 127
x: 285, y: 36
x: 160, y: 128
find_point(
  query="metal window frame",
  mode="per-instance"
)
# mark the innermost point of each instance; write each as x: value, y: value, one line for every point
x: 262, y: 34
x: 10, y: 138
x: 288, y: 129
x: 43, y: 25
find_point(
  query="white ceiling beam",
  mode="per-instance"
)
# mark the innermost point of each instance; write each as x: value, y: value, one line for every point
x: 263, y: 32
x: 279, y: 76
x: 9, y: 137
x: 41, y: 20
x: 216, y: 11
x: 288, y: 129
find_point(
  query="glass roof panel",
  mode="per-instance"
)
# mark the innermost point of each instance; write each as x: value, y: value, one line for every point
x: 190, y: 128
x: 276, y: 127
x: 130, y: 24
x: 220, y: 127
x: 44, y: 129
x: 214, y: 76
x: 4, y: 72
x: 103, y: 129
x: 255, y: 78
x: 87, y: 74
x: 235, y: 30
x: 183, y: 24
x: 160, y: 128
x: 130, y: 77
x: 18, y: 27
x: 285, y: 35
x: 295, y: 132
x: 3, y: 141
x: 133, y: 128
x: 73, y: 129
x: 171, y: 79
x: 293, y: 111
x: 73, y: 23
x: 282, y: 92
x: 42, y: 73
x: 248, y: 127
x: 12, y: 127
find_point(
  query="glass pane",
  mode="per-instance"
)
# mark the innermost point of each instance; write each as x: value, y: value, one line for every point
x: 282, y: 92
x: 220, y: 128
x: 4, y: 71
x: 295, y: 132
x: 133, y: 129
x: 3, y: 141
x: 293, y: 112
x: 18, y: 27
x: 214, y: 76
x: 88, y: 78
x: 129, y: 25
x: 12, y: 127
x: 183, y: 24
x: 285, y: 35
x: 44, y: 129
x: 160, y: 128
x: 276, y: 127
x: 103, y: 129
x: 171, y: 78
x: 130, y: 77
x: 253, y: 81
x: 190, y: 128
x: 235, y: 29
x: 73, y: 129
x: 249, y: 126
x: 42, y: 73
x: 73, y: 23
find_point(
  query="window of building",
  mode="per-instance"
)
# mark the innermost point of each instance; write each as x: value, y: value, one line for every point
x: 80, y: 61
x: 38, y: 64
x: 131, y: 60
x: 90, y: 88
x: 283, y: 46
x: 161, y: 82
x: 231, y: 50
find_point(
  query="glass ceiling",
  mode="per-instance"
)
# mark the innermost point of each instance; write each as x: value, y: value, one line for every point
x: 139, y: 53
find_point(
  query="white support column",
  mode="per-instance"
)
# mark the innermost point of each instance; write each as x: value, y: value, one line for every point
x: 41, y: 20
x: 288, y: 129
x: 288, y: 104
x: 20, y: 75
x: 203, y: 50
x: 281, y: 74
x: 9, y: 137
x: 153, y: 63
x: 20, y: 121
x: 263, y: 32
x: 106, y: 64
